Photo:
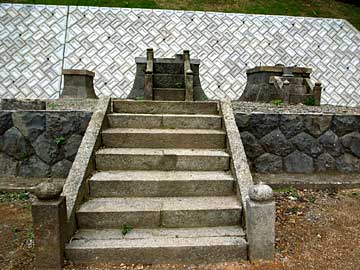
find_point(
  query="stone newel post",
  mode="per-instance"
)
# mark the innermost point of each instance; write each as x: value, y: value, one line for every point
x: 49, y: 219
x: 260, y: 222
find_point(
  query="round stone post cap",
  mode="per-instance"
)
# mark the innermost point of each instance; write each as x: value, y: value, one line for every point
x: 261, y: 193
x: 47, y: 191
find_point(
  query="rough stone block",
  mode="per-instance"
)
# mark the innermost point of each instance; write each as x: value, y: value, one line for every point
x: 260, y: 223
x: 78, y: 84
x: 49, y: 219
x: 268, y: 163
x: 276, y: 143
x: 298, y: 162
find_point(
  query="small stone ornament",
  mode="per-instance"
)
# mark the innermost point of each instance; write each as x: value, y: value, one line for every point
x: 47, y: 191
x: 261, y: 193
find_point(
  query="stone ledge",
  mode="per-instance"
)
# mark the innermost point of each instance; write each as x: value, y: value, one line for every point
x: 309, y: 181
x: 277, y: 69
x: 79, y: 72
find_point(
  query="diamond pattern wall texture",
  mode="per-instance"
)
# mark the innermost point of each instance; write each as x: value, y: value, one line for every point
x: 107, y: 40
x: 31, y: 50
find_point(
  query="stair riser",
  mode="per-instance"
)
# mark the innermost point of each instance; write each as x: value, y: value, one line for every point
x: 169, y: 81
x: 161, y: 188
x: 163, y: 218
x: 163, y: 140
x: 106, y: 162
x: 153, y: 255
x: 164, y: 121
x: 164, y: 94
x: 152, y: 107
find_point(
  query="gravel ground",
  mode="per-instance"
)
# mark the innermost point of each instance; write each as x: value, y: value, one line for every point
x: 249, y: 107
x: 314, y: 230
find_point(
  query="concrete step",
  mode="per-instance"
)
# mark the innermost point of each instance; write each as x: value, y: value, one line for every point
x: 164, y: 138
x: 169, y: 94
x: 165, y: 107
x: 161, y: 183
x: 168, y: 80
x: 152, y: 212
x: 179, y: 121
x: 156, y: 246
x: 162, y: 159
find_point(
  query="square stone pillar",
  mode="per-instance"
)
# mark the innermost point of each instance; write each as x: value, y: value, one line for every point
x: 49, y: 221
x: 260, y: 223
x: 78, y: 83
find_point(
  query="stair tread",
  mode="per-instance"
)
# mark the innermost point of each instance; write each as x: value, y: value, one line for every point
x: 162, y: 131
x: 166, y: 115
x: 88, y: 238
x: 163, y: 151
x: 162, y: 176
x: 135, y: 204
x: 169, y: 88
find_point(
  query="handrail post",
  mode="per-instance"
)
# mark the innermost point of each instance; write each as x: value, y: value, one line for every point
x: 189, y: 78
x: 149, y: 70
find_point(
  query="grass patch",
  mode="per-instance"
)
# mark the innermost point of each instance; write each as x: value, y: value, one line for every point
x: 307, y: 8
x: 12, y: 196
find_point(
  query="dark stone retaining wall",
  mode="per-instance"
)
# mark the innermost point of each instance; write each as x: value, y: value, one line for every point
x: 300, y: 143
x: 40, y: 143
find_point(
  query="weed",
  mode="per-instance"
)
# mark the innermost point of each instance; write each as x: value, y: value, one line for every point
x: 277, y: 102
x: 310, y: 101
x: 30, y: 235
x: 11, y: 196
x: 139, y: 98
x: 178, y: 85
x: 126, y: 228
x: 312, y: 199
x: 60, y: 140
x: 52, y: 106
x: 291, y: 191
x: 292, y: 210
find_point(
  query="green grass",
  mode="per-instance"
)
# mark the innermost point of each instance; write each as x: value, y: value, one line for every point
x: 308, y: 8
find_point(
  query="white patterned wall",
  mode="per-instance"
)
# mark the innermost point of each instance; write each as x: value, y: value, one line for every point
x: 107, y: 40
x: 31, y: 50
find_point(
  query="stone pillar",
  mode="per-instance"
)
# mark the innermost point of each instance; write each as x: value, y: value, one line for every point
x: 260, y: 222
x: 49, y: 221
x: 149, y: 70
x: 78, y: 83
x: 286, y: 92
x: 317, y: 93
x: 189, y: 79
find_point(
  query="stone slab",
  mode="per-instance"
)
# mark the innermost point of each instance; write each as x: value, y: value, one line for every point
x: 161, y: 159
x: 150, y: 212
x: 173, y: 121
x: 164, y: 107
x: 164, y: 138
x: 161, y: 183
x: 191, y: 245
x: 169, y: 94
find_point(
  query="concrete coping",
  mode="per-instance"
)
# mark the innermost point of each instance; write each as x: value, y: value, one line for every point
x: 78, y: 72
x: 278, y: 69
x: 142, y: 60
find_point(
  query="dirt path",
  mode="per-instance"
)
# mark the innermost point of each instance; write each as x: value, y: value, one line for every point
x: 314, y: 230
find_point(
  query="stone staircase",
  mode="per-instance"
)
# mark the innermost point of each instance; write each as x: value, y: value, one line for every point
x: 164, y: 170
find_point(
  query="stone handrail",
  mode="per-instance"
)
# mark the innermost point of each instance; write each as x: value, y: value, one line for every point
x: 75, y: 188
x: 258, y: 216
x: 239, y: 163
